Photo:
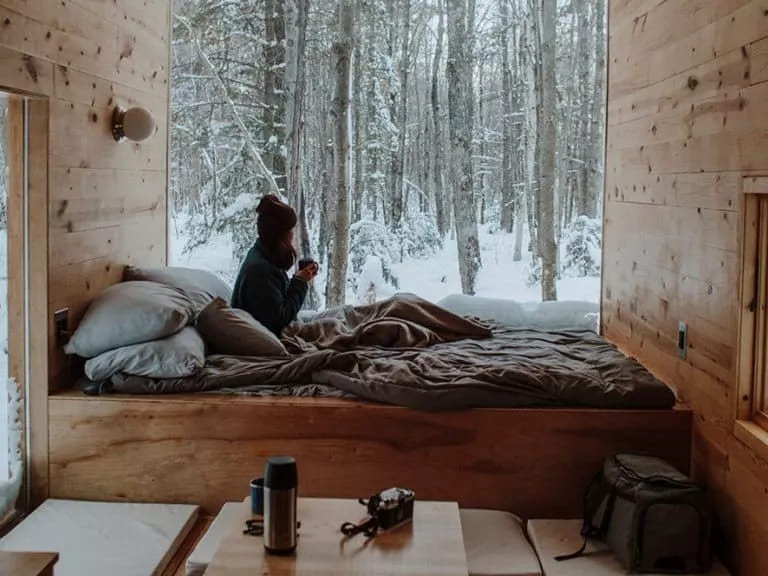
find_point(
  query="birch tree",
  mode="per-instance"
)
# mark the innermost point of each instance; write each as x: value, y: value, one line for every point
x: 458, y: 73
x: 507, y: 192
x: 596, y: 142
x: 547, y: 151
x: 342, y: 53
x: 437, y: 128
x: 402, y: 114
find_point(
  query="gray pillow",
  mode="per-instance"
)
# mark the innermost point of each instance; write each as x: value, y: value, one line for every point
x: 130, y: 313
x: 200, y: 286
x: 177, y: 356
x: 236, y: 333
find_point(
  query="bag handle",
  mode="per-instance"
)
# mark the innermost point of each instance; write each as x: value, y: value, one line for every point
x: 588, y: 527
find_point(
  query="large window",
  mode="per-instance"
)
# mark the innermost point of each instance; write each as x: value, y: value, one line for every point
x: 474, y: 131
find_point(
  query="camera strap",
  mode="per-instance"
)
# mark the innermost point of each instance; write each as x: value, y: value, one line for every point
x: 368, y: 526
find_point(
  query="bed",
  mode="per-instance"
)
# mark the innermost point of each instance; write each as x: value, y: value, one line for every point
x: 402, y: 392
x: 409, y: 352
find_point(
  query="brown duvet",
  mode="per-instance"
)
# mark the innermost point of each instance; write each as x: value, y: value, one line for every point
x: 410, y: 352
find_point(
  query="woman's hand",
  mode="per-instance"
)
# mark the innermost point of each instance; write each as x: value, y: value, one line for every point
x: 308, y: 273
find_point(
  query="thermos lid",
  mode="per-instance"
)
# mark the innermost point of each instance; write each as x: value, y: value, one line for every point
x: 280, y: 473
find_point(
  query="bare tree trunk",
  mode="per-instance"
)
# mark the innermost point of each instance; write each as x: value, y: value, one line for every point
x: 438, y: 167
x: 402, y: 115
x: 376, y: 185
x: 529, y: 71
x: 547, y: 150
x: 507, y: 191
x: 518, y: 250
x: 583, y: 126
x: 597, y: 138
x: 342, y: 52
x: 357, y: 106
x: 388, y: 203
x: 295, y: 77
x: 459, y: 76
x: 274, y: 101
x: 482, y: 168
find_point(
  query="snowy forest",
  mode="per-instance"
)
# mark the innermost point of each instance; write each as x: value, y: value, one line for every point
x: 457, y: 139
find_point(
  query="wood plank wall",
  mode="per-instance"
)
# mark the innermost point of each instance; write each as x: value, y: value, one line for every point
x: 107, y: 201
x: 688, y: 119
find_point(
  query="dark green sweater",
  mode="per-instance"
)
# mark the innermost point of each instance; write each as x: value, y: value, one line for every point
x: 263, y: 289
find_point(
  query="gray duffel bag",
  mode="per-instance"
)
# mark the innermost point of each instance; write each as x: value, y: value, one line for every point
x: 654, y: 518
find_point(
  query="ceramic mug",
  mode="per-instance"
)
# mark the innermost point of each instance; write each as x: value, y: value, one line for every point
x: 257, y: 496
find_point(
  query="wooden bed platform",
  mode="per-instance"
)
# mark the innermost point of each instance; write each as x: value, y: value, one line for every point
x: 203, y: 449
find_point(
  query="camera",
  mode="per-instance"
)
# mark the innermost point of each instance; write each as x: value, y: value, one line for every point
x: 386, y: 510
x: 392, y: 507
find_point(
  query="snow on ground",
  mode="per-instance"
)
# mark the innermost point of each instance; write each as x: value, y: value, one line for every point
x: 3, y: 358
x: 438, y: 276
x: 431, y: 278
x: 215, y: 256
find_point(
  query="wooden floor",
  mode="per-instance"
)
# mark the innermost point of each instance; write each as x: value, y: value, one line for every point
x: 204, y: 449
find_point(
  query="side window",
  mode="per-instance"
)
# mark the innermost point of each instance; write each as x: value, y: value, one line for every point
x: 13, y: 359
x: 753, y: 397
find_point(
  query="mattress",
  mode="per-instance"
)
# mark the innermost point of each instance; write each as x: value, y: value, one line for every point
x: 513, y: 368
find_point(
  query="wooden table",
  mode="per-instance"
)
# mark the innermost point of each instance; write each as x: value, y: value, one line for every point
x: 27, y: 563
x: 432, y: 545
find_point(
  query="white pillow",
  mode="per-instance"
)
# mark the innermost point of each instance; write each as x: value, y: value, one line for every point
x: 236, y: 333
x: 177, y: 356
x: 130, y: 313
x: 200, y: 286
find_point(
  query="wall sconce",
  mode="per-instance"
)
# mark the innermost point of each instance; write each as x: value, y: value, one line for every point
x: 135, y: 124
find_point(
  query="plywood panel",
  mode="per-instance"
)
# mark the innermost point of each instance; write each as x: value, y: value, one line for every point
x: 88, y: 199
x: 105, y: 201
x: 529, y: 461
x: 71, y: 36
x: 81, y: 137
x: 760, y: 61
x: 28, y: 74
x: 727, y: 72
x: 687, y: 122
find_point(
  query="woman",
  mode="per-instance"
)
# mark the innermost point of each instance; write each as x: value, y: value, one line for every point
x: 262, y: 286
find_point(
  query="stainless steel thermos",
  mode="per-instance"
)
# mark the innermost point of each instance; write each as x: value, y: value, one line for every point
x: 280, y: 491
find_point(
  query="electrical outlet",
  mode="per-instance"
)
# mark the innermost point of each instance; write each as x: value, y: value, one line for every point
x: 61, y: 326
x: 682, y: 339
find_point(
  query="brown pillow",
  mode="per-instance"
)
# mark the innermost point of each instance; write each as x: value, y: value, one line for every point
x: 235, y: 332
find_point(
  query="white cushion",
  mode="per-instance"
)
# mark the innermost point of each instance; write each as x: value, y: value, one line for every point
x: 109, y: 538
x: 496, y: 544
x: 555, y: 537
x: 201, y: 556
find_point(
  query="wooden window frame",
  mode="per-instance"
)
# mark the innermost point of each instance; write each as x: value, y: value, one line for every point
x: 751, y: 400
x: 34, y: 326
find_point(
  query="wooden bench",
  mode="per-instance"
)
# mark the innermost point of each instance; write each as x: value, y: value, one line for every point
x: 114, y: 539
